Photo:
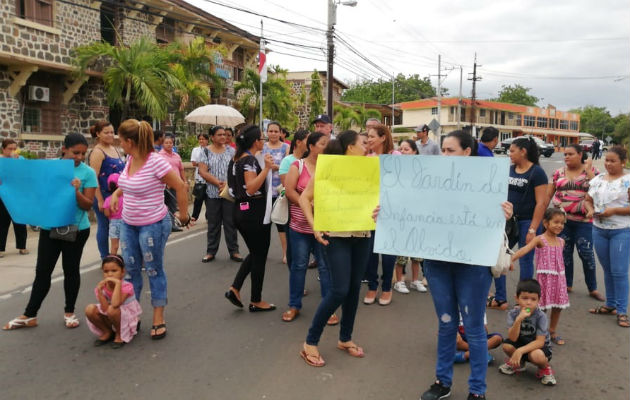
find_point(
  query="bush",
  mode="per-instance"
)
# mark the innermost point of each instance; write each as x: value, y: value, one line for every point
x: 29, y: 155
x: 185, y: 146
x: 401, y: 129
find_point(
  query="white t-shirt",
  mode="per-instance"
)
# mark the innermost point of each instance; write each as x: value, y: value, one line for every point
x: 198, y: 155
x: 607, y: 194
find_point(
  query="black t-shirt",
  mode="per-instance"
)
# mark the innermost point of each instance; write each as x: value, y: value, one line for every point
x: 521, y: 190
x: 236, y: 178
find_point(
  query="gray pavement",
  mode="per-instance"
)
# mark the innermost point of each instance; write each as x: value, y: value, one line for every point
x: 214, y: 351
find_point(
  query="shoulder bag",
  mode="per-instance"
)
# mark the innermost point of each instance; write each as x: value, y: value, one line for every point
x: 280, y: 210
x: 504, y: 260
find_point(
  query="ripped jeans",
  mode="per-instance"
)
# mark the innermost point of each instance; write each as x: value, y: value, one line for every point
x: 144, y: 246
x: 579, y: 235
x: 460, y: 288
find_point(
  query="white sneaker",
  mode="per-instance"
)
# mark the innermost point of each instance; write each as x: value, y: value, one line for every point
x: 418, y: 286
x: 400, y: 287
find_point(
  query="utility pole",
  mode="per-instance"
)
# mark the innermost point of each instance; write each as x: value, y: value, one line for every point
x: 332, y: 17
x: 459, y: 101
x: 473, y: 99
x: 439, y: 94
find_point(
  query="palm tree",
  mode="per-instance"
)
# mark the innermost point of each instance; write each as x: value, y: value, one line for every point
x: 139, y: 72
x: 345, y: 117
x: 278, y: 100
x: 365, y: 114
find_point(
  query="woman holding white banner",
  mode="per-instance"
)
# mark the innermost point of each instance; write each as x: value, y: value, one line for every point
x: 455, y: 288
x: 347, y: 255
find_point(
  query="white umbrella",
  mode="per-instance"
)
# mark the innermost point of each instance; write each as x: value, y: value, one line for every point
x: 216, y: 114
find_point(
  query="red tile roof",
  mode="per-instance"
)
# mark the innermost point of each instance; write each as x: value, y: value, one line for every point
x: 452, y: 101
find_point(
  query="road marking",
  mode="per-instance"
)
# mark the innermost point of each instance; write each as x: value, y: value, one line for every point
x: 91, y: 267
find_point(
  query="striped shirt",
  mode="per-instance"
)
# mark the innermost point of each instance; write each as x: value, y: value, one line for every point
x: 144, y: 191
x: 218, y: 167
x: 298, y: 222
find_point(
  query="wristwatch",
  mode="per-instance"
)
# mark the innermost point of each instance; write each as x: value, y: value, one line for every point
x: 531, y: 230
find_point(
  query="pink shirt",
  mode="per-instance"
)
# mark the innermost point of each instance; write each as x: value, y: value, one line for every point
x: 107, y: 205
x: 298, y: 222
x: 175, y: 161
x: 144, y: 191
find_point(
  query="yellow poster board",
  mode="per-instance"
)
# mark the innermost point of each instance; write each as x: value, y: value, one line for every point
x: 346, y: 193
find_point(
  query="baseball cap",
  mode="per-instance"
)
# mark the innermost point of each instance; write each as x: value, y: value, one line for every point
x: 323, y: 118
x: 421, y: 128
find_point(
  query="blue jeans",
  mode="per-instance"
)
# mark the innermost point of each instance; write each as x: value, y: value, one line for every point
x: 613, y: 251
x: 346, y: 258
x: 144, y: 245
x: 387, y: 264
x: 526, y: 263
x: 102, y: 230
x: 580, y: 235
x: 301, y: 245
x: 459, y: 288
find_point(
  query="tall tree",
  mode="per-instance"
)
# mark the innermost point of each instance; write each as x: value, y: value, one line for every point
x: 516, y: 94
x: 364, y: 114
x: 315, y: 96
x: 621, y: 134
x: 595, y: 120
x: 278, y: 100
x: 345, y: 117
x: 138, y: 72
x: 406, y: 88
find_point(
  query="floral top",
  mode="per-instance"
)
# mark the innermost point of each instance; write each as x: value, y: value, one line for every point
x: 610, y: 194
x: 570, y: 194
x: 277, y: 155
x: 218, y: 166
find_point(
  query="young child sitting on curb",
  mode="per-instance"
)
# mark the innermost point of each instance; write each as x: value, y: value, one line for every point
x: 528, y: 337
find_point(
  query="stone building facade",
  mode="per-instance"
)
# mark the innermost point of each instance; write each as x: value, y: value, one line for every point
x: 41, y: 100
x: 300, y: 82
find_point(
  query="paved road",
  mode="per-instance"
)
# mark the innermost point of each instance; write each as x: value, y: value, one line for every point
x: 214, y: 351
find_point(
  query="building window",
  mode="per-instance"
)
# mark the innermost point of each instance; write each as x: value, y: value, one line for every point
x: 542, y: 122
x: 32, y: 120
x: 529, y: 120
x: 482, y: 112
x: 573, y: 126
x: 505, y: 135
x: 463, y: 116
x: 564, y: 124
x: 108, y: 31
x: 434, y: 111
x: 518, y: 120
x: 452, y: 110
x: 165, y: 32
x: 40, y: 11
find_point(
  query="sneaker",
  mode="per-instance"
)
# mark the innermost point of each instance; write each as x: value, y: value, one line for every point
x: 460, y: 357
x: 546, y: 376
x: 418, y: 286
x: 364, y: 281
x: 508, y: 369
x: 436, y: 392
x: 476, y: 396
x: 400, y: 287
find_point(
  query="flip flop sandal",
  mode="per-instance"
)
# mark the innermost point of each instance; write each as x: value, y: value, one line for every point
x: 622, y: 321
x: 557, y: 339
x: 117, y: 345
x: 17, y: 323
x: 353, y: 350
x: 100, y: 342
x: 290, y: 314
x: 312, y: 360
x: 71, y: 321
x: 158, y: 336
x: 605, y: 310
x: 496, y: 304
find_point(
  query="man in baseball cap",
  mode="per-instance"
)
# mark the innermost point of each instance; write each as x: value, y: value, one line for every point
x: 323, y: 124
x: 425, y: 145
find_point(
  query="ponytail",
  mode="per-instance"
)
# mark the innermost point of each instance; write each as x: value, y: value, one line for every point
x: 140, y: 133
x: 98, y: 127
x: 466, y: 141
x: 299, y: 135
x: 312, y: 140
x: 529, y: 144
x: 340, y: 145
x: 246, y: 139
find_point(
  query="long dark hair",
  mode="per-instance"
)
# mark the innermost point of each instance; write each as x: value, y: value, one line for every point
x: 466, y: 141
x: 312, y: 140
x: 246, y: 139
x: 340, y: 145
x: 388, y: 143
x: 412, y: 144
x: 113, y: 258
x: 529, y: 144
x: 299, y: 135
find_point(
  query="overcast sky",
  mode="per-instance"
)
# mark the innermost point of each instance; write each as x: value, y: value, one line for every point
x: 571, y: 53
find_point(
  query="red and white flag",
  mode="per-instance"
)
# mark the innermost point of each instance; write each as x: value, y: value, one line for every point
x: 262, y: 62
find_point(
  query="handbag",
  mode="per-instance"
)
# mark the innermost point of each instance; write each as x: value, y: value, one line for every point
x: 280, y: 209
x: 67, y: 233
x: 504, y: 260
x: 199, y: 190
x: 511, y: 229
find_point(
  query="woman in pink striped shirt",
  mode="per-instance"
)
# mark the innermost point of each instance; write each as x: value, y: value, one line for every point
x: 146, y: 222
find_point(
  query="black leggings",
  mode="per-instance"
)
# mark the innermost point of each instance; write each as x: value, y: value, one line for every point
x: 48, y: 251
x: 19, y: 229
x: 257, y: 237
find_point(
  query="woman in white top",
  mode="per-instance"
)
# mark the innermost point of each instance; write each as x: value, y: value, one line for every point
x: 608, y: 201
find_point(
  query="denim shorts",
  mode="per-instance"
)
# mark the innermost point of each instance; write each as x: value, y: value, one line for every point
x: 114, y: 228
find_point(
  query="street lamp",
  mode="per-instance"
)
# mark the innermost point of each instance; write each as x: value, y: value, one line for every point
x: 332, y: 20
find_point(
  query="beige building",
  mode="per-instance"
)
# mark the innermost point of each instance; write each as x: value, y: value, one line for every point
x: 554, y: 126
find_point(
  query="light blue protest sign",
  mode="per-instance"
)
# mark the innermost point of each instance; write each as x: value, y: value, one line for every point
x: 442, y: 208
x: 38, y: 192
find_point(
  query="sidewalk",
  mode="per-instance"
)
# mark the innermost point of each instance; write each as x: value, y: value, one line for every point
x: 18, y: 271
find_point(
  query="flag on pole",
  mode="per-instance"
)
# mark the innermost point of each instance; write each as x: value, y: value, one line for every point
x: 262, y: 62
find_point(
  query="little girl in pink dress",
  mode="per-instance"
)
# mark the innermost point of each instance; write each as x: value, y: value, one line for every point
x: 115, y: 317
x: 550, y: 268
